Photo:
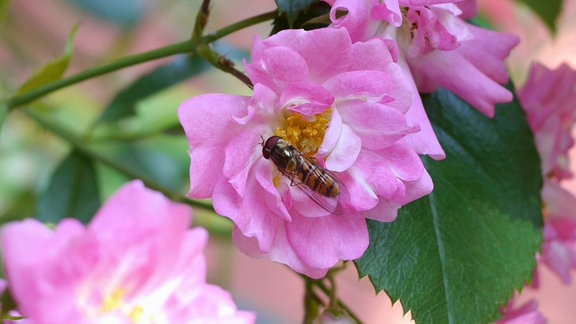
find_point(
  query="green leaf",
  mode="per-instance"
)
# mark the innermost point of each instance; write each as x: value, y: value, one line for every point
x: 125, y: 13
x: 54, y: 70
x: 548, y: 10
x: 181, y: 68
x: 3, y: 113
x: 291, y: 9
x: 72, y: 191
x: 458, y: 254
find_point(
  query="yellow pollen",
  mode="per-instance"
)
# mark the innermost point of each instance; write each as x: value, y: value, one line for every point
x: 114, y: 301
x: 277, y: 180
x: 306, y: 133
x: 137, y: 314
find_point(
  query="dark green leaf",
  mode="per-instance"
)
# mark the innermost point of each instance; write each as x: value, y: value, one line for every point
x: 125, y: 13
x: 159, y: 159
x: 181, y: 68
x: 458, y: 254
x: 292, y: 10
x: 52, y: 71
x: 72, y: 191
x: 3, y: 113
x: 4, y: 8
x: 548, y: 10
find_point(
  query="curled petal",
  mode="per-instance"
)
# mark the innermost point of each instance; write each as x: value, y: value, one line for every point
x: 206, y: 138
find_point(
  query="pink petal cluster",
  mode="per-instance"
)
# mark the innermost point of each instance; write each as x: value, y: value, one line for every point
x: 559, y: 246
x: 527, y: 313
x: 136, y: 262
x: 548, y: 98
x: 368, y: 141
x: 440, y: 48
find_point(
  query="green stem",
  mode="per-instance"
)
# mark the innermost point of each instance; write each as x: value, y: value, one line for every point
x: 179, y: 48
x: 121, y: 63
x: 79, y: 145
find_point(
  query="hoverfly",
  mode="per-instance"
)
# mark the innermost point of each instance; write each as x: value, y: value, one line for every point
x: 318, y: 183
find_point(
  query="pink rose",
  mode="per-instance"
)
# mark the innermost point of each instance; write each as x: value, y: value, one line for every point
x: 138, y: 261
x: 340, y: 105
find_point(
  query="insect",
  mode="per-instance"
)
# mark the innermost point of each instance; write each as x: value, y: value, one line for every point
x: 318, y: 183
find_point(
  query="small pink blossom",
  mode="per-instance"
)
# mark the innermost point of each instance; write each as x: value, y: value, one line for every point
x: 548, y: 98
x: 527, y: 313
x: 136, y: 262
x: 337, y: 102
x: 559, y: 246
x: 440, y: 48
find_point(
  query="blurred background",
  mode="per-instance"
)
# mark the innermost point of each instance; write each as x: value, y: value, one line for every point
x: 32, y: 33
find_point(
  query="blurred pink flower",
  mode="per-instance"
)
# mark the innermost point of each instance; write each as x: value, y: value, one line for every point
x: 440, y: 48
x: 136, y: 262
x: 548, y: 98
x: 559, y: 246
x: 336, y: 102
x: 528, y: 313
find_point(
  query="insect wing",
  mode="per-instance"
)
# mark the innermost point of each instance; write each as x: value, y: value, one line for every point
x: 329, y: 204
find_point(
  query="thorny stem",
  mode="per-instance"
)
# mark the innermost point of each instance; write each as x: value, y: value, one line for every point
x: 179, y: 48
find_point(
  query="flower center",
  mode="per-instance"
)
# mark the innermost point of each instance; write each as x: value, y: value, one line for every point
x: 115, y: 301
x: 305, y: 133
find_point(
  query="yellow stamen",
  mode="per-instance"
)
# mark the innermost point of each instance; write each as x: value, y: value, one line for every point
x: 306, y: 133
x: 137, y: 314
x: 113, y: 301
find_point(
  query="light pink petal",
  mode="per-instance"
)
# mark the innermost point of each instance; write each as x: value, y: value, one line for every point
x: 128, y: 201
x: 306, y: 99
x: 345, y: 152
x: 377, y: 125
x: 374, y: 54
x: 324, y: 241
x: 354, y: 20
x: 424, y: 141
x: 240, y: 154
x: 281, y: 251
x: 468, y: 83
x: 371, y: 86
x: 253, y: 213
x: 314, y: 48
x: 208, y: 138
x: 527, y: 313
x: 388, y: 11
x: 277, y: 67
x: 361, y: 194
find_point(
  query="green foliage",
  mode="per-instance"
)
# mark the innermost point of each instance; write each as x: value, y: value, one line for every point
x: 312, y: 15
x: 458, y: 254
x: 3, y: 113
x: 292, y: 8
x: 125, y: 13
x: 548, y: 10
x: 72, y: 191
x: 54, y: 70
x: 181, y: 68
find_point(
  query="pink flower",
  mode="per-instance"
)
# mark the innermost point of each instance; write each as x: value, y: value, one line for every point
x: 440, y: 48
x: 334, y: 101
x: 137, y: 262
x: 528, y: 313
x: 548, y: 98
x: 559, y: 246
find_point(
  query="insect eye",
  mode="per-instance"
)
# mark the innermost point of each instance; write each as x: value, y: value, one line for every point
x: 269, y: 146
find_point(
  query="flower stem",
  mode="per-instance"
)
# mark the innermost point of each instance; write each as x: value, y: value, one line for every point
x: 85, y: 149
x: 179, y: 48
